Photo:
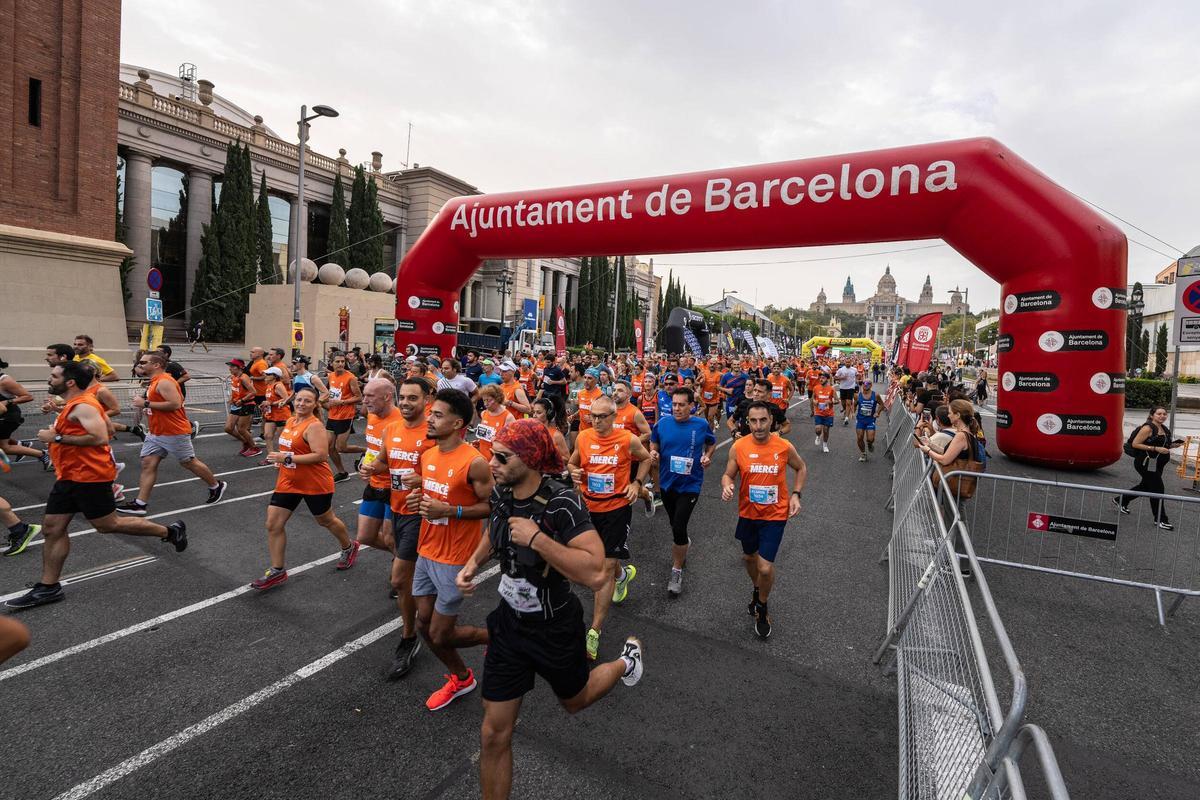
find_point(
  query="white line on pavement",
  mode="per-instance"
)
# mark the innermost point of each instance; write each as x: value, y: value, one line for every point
x: 168, y: 483
x: 155, y: 752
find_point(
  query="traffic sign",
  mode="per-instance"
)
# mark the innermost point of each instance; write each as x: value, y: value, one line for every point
x: 153, y: 295
x: 154, y: 310
x: 154, y: 280
x: 298, y: 335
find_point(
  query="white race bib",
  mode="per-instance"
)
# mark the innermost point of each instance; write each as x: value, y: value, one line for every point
x: 520, y: 594
x: 335, y: 393
x: 681, y: 465
x: 485, y: 433
x: 764, y: 495
x: 601, y: 483
x: 398, y: 476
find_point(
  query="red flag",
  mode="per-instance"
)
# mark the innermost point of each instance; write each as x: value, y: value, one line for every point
x: 638, y: 338
x: 922, y: 339
x: 560, y: 331
x: 902, y: 346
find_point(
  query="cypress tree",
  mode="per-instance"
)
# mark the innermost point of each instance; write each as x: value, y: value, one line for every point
x: 229, y: 251
x: 1143, y: 350
x: 583, y: 310
x: 267, y: 272
x: 208, y: 296
x: 357, y: 222
x: 374, y: 229
x: 1160, y: 349
x: 339, y: 236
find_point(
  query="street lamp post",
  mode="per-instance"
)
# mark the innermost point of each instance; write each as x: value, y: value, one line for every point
x: 318, y: 111
x: 504, y: 284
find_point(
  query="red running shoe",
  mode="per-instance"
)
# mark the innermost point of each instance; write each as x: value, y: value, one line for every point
x: 454, y: 688
x: 272, y: 577
x: 349, y: 556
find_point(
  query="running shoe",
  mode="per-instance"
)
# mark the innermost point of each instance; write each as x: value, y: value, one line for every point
x: 118, y: 492
x: 675, y: 584
x: 120, y: 467
x: 17, y: 542
x: 215, y: 495
x: 272, y: 577
x: 817, y: 441
x: 348, y: 556
x: 195, y: 429
x: 752, y: 606
x: 593, y: 643
x: 177, y: 535
x: 47, y: 464
x: 252, y: 452
x: 824, y: 448
x: 264, y: 463
x: 621, y: 590
x: 406, y: 651
x: 133, y: 508
x: 1164, y: 525
x: 632, y: 656
x: 39, y: 595
x: 862, y: 456
x: 845, y: 420
x: 1120, y: 506
x: 139, y: 432
x: 341, y: 476
x: 453, y: 688
x: 762, y: 621
x: 393, y: 595
x: 648, y: 501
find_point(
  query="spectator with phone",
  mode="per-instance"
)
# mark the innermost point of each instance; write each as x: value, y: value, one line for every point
x: 1151, y: 444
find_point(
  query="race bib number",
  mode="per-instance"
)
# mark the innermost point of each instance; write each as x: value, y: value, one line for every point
x: 681, y: 465
x: 520, y: 594
x: 822, y: 406
x: 398, y: 476
x: 777, y: 394
x: 485, y: 433
x: 601, y: 483
x: 335, y: 393
x: 764, y: 495
x: 708, y: 395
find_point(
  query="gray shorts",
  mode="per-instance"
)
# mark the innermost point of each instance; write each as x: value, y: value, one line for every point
x: 178, y: 447
x: 436, y: 578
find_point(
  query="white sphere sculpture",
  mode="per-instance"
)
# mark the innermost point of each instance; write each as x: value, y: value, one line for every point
x: 380, y: 282
x: 308, y: 270
x: 357, y: 278
x: 331, y: 274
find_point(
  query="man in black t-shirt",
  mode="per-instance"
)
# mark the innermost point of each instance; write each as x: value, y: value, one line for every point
x: 544, y: 537
x: 757, y: 390
x: 554, y: 378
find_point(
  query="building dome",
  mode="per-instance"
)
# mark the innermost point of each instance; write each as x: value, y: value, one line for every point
x: 956, y: 298
x: 887, y: 284
x: 821, y: 295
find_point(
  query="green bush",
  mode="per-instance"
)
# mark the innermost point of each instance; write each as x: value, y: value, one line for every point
x: 1144, y: 393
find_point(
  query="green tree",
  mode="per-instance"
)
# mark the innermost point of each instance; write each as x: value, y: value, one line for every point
x: 229, y: 252
x: 357, y: 222
x: 267, y: 271
x: 373, y: 226
x: 209, y: 296
x: 339, y: 236
x: 583, y: 314
x: 1160, y: 349
x: 1144, y: 350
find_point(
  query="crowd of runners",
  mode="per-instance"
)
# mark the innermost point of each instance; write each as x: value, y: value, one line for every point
x: 538, y: 463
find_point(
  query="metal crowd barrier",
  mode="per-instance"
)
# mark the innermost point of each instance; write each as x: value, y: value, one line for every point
x: 207, y: 403
x: 1078, y: 531
x: 957, y: 740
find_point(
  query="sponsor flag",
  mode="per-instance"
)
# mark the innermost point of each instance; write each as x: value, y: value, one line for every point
x: 560, y: 331
x: 922, y: 340
x: 902, y: 347
x: 639, y: 338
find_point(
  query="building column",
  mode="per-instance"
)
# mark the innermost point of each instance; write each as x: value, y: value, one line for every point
x: 561, y: 293
x: 199, y: 214
x: 137, y: 225
x: 295, y: 208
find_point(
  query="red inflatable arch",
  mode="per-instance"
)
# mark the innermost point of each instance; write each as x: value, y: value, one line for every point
x: 1061, y: 266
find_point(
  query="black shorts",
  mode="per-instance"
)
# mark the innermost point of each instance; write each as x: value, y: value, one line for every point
x: 847, y: 394
x: 260, y: 400
x: 406, y: 528
x: 339, y: 426
x: 241, y: 411
x: 613, y: 527
x: 93, y: 500
x: 317, y: 504
x: 556, y: 649
x: 10, y: 422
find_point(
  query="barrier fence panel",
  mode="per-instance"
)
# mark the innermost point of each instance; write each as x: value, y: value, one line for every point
x: 1079, y: 531
x: 207, y: 403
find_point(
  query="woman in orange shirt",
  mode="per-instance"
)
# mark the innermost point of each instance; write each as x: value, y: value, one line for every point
x: 304, y: 474
x: 493, y: 417
x: 275, y: 410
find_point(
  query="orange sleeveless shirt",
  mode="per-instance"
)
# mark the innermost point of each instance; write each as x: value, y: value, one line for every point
x: 403, y: 448
x: 302, y: 478
x: 339, y: 389
x: 444, y: 477
x: 489, y: 425
x: 165, y: 423
x: 376, y: 426
x: 81, y: 464
x: 763, y: 494
x: 605, y: 462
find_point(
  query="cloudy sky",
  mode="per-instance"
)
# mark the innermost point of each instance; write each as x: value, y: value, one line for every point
x: 1101, y: 96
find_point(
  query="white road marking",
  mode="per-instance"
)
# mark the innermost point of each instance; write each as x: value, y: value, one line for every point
x: 168, y: 483
x: 157, y: 751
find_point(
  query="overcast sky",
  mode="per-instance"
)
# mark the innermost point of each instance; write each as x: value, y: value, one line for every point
x: 1101, y: 96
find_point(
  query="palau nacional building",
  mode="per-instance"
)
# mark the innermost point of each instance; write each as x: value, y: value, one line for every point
x: 89, y: 140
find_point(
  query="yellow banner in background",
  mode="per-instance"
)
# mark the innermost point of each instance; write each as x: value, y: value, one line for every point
x: 152, y: 336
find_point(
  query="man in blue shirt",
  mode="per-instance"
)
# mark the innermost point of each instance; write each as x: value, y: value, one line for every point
x: 733, y: 384
x: 663, y: 399
x: 683, y: 446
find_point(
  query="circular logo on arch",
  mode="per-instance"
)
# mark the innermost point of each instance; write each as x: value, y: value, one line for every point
x: 414, y: 302
x: 1191, y: 297
x: 923, y: 334
x: 1102, y: 297
x: 1051, y: 341
x: 439, y: 327
x: 455, y: 306
x: 1101, y: 383
x: 1049, y: 424
x: 637, y: 333
x: 562, y: 325
x: 1010, y: 304
x: 1008, y: 381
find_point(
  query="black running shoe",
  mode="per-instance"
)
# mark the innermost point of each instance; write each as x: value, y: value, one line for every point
x: 39, y: 595
x: 133, y: 508
x: 177, y: 535
x: 139, y: 432
x: 47, y: 464
x: 752, y: 606
x: 762, y: 622
x: 215, y: 495
x: 341, y: 476
x: 406, y: 651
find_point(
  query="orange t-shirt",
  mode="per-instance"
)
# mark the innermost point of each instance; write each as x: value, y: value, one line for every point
x: 822, y: 401
x: 277, y: 393
x: 444, y: 477
x: 165, y: 423
x: 510, y: 391
x: 256, y: 369
x: 376, y: 426
x: 302, y: 478
x: 81, y: 464
x: 635, y: 384
x: 403, y: 448
x: 781, y: 390
x: 605, y: 463
x: 626, y: 419
x: 489, y: 425
x: 710, y: 383
x: 339, y: 389
x: 763, y: 494
x: 585, y: 400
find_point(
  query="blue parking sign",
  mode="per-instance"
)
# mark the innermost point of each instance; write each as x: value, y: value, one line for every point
x: 154, y: 311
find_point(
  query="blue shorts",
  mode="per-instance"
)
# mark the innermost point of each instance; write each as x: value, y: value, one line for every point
x: 761, y: 536
x: 826, y: 421
x: 375, y: 503
x: 864, y: 423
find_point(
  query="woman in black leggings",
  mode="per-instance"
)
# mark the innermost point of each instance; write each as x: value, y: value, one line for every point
x: 1153, y: 443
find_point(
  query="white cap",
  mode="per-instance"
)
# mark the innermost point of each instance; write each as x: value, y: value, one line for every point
x: 276, y: 371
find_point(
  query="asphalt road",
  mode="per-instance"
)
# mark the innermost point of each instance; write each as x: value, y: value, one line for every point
x: 166, y: 678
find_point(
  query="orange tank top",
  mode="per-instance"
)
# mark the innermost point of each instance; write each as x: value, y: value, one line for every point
x: 626, y: 419
x: 605, y: 463
x: 339, y: 389
x: 444, y: 477
x: 277, y: 393
x: 489, y: 425
x: 404, y: 447
x: 302, y: 478
x: 780, y: 390
x: 239, y: 395
x: 256, y: 369
x: 763, y: 467
x: 822, y: 401
x: 166, y: 423
x: 374, y: 435
x: 710, y: 382
x: 586, y: 396
x: 510, y: 390
x: 81, y: 464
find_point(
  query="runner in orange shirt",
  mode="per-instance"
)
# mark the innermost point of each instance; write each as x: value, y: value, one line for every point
x: 493, y: 417
x: 275, y: 410
x: 84, y: 472
x: 455, y: 497
x: 709, y: 384
x: 600, y: 466
x: 344, y: 397
x: 241, y: 408
x: 630, y: 418
x: 589, y: 394
x: 303, y: 461
x: 781, y: 387
x: 515, y: 397
x: 764, y: 504
x: 169, y: 434
x: 823, y: 398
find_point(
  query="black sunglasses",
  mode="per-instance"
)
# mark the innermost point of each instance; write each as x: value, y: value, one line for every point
x: 501, y: 457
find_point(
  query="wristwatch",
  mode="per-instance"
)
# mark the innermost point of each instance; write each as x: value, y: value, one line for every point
x: 287, y: 460
x: 58, y: 437
x: 797, y: 493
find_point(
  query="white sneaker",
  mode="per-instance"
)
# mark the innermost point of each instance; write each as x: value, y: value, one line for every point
x: 824, y: 448
x: 817, y: 441
x: 632, y: 656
